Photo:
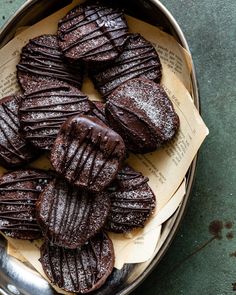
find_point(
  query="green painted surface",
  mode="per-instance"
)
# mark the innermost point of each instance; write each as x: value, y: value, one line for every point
x: 196, y: 263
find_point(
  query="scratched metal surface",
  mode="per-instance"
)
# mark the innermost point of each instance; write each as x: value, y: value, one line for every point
x: 202, y: 258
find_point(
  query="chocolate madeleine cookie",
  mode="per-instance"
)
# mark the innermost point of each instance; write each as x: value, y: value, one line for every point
x: 19, y: 192
x: 42, y: 61
x: 70, y: 216
x: 139, y: 59
x: 141, y: 112
x: 14, y: 150
x: 44, y: 109
x: 80, y: 270
x: 87, y: 153
x: 92, y: 33
x: 132, y: 201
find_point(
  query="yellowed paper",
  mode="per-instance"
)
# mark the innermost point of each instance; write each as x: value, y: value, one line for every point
x: 135, y: 249
x: 12, y: 251
x: 171, y: 53
x: 30, y: 252
x: 10, y: 53
x: 21, y: 29
x: 165, y: 168
x: 169, y: 209
x: 126, y: 249
x: 140, y: 244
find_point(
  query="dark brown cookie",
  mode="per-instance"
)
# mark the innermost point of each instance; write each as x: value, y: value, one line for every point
x: 141, y: 112
x: 98, y: 110
x: 80, y: 270
x: 19, y: 192
x: 87, y: 153
x: 46, y: 108
x: 132, y: 201
x: 92, y: 33
x: 14, y: 150
x: 70, y: 216
x: 138, y: 60
x: 42, y: 61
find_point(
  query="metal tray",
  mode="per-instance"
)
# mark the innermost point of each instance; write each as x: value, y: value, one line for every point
x: 18, y: 278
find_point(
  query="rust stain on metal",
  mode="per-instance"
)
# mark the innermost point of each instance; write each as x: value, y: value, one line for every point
x: 230, y: 235
x: 228, y: 224
x: 215, y: 228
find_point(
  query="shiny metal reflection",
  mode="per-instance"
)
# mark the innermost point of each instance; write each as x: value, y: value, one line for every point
x: 22, y: 277
x: 13, y: 289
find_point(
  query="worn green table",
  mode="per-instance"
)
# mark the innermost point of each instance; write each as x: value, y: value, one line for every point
x: 202, y: 258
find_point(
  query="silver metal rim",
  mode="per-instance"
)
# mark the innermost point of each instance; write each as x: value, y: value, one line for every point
x: 180, y: 213
x: 21, y: 10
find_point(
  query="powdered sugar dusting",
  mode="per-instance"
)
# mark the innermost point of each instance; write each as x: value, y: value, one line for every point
x: 139, y: 59
x: 43, y: 113
x: 150, y: 100
x: 80, y: 270
x: 132, y: 201
x: 13, y: 150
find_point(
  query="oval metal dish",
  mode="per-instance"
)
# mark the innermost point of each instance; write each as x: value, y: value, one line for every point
x: 18, y: 278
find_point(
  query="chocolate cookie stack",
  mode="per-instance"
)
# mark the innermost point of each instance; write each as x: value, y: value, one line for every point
x: 92, y: 190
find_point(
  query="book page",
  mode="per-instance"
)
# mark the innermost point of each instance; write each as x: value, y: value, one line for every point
x: 12, y: 251
x: 30, y: 251
x: 165, y: 168
x: 171, y: 53
x: 10, y: 54
x: 140, y: 245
